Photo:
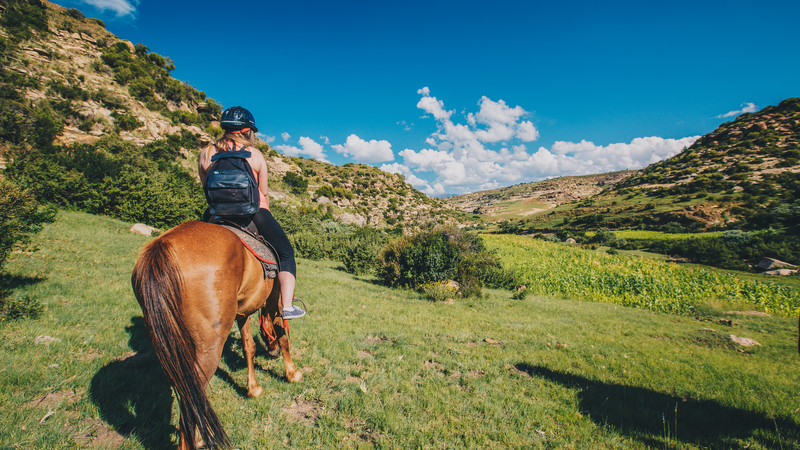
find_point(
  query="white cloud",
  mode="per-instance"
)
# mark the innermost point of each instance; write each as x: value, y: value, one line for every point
x: 432, y: 105
x: 460, y: 158
x: 365, y: 152
x: 308, y: 147
x: 746, y: 108
x: 286, y: 136
x: 119, y: 7
x: 411, y: 179
x: 526, y: 132
x: 266, y: 138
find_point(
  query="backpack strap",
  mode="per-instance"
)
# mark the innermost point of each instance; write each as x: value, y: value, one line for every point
x: 237, y: 154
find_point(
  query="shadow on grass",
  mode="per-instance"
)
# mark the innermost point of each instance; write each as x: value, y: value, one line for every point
x: 133, y: 394
x: 660, y: 420
x: 233, y: 357
x: 9, y: 282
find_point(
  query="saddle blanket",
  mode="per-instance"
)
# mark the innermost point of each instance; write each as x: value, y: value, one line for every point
x: 259, y: 247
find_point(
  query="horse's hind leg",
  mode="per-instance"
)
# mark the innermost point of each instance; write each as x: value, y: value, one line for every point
x: 249, y: 346
x: 292, y: 374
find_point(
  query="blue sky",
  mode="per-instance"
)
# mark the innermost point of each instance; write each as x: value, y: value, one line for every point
x: 461, y: 96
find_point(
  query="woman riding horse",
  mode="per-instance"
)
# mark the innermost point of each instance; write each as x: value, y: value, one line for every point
x: 195, y: 280
x: 240, y: 126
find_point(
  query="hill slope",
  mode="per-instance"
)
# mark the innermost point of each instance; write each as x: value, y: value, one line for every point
x: 529, y: 198
x: 66, y: 82
x: 745, y: 174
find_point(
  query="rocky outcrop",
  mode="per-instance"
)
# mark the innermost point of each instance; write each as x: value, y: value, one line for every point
x: 773, y: 264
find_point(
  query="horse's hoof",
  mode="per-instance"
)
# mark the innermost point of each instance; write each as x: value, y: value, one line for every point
x: 255, y: 392
x: 295, y: 378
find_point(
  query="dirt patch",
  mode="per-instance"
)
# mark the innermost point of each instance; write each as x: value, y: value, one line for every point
x: 96, y: 434
x: 89, y: 356
x: 476, y: 373
x: 303, y: 410
x: 362, y: 354
x: 434, y: 366
x: 54, y: 399
x: 375, y: 339
x: 359, y: 431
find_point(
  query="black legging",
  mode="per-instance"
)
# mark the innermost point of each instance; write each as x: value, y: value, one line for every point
x: 271, y: 230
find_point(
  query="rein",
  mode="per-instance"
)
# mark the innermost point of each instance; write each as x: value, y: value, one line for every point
x: 273, y: 337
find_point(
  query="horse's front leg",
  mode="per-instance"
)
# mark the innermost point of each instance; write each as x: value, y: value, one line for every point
x: 249, y: 346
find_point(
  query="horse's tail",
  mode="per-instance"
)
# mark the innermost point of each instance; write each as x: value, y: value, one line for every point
x: 157, y: 283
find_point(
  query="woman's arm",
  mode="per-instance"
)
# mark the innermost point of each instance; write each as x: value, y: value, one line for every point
x: 259, y: 165
x: 203, y: 162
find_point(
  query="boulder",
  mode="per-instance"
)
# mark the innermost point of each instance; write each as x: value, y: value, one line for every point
x: 142, y: 229
x: 743, y: 341
x: 772, y: 264
x: 322, y: 200
x: 570, y: 241
x: 781, y: 272
x: 356, y: 219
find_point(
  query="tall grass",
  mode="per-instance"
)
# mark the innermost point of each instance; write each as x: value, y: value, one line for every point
x: 555, y: 269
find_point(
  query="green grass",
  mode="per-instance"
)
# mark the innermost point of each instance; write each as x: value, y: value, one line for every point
x: 385, y: 368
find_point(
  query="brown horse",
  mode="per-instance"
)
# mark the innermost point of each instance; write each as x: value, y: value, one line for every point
x: 192, y: 282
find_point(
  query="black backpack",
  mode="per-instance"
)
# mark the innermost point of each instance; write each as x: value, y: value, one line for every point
x: 231, y: 190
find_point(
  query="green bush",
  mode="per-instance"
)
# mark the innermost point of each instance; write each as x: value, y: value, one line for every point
x: 361, y: 255
x: 126, y: 121
x: 114, y: 178
x: 296, y: 182
x: 20, y: 217
x: 442, y: 254
x: 23, y: 17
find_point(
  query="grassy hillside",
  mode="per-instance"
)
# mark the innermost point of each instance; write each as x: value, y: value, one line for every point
x: 384, y: 368
x: 743, y: 175
x: 530, y: 198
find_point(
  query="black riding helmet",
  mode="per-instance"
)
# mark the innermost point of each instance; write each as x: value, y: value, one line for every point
x: 236, y: 118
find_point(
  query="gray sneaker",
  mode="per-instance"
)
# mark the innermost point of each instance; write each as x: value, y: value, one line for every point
x: 293, y: 313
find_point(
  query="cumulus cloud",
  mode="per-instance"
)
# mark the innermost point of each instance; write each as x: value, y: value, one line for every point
x: 286, y: 136
x: 432, y: 105
x: 461, y: 157
x: 746, y: 108
x: 412, y: 179
x: 118, y: 7
x: 501, y: 121
x: 266, y: 138
x: 362, y: 151
x: 308, y: 147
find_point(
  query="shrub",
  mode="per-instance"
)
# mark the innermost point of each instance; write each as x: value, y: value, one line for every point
x: 361, y: 256
x: 20, y: 217
x: 442, y: 254
x: 125, y: 121
x: 76, y: 14
x: 439, y: 291
x: 296, y: 182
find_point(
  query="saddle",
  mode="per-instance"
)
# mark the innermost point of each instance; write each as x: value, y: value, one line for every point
x: 256, y: 244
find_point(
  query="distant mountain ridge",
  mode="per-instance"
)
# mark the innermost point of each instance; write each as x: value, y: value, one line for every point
x: 736, y: 176
x: 529, y: 198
